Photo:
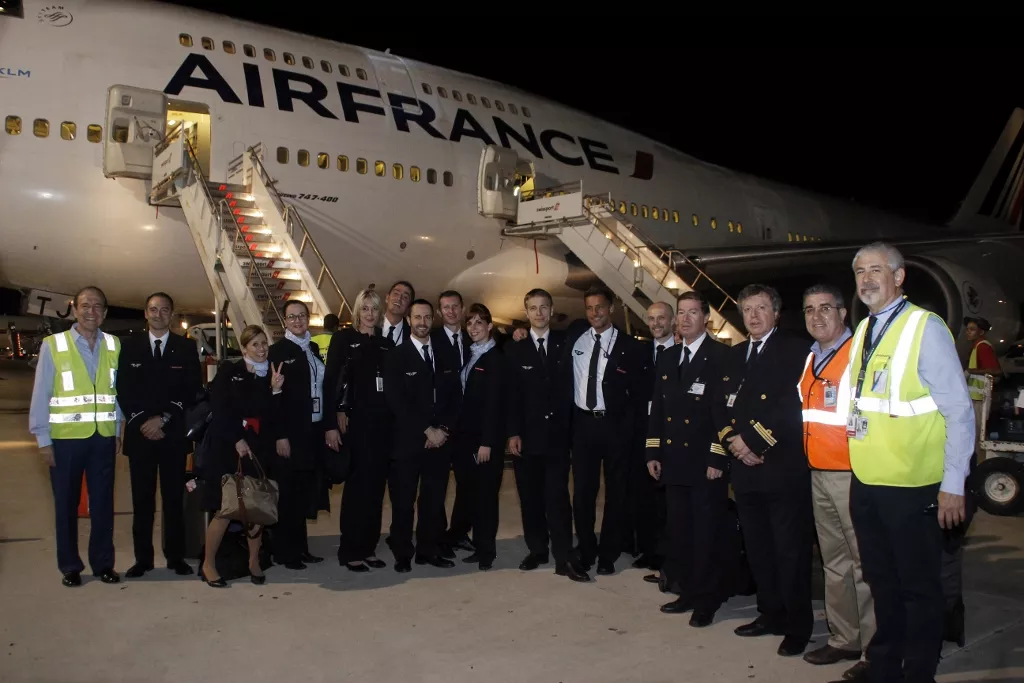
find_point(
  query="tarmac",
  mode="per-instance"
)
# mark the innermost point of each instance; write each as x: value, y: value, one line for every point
x: 328, y: 624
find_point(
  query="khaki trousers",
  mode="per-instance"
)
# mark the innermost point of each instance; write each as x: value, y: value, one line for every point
x: 849, y: 608
x: 979, y: 436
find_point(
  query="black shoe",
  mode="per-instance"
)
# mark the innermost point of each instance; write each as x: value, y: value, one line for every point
x: 72, y: 579
x: 294, y: 565
x: 953, y: 629
x: 403, y: 566
x: 179, y: 567
x: 701, y: 618
x: 464, y: 544
x: 605, y: 568
x: 375, y: 562
x: 137, y: 570
x: 826, y: 654
x: 258, y: 580
x: 677, y: 606
x: 356, y: 567
x: 792, y: 646
x: 652, y: 578
x: 486, y: 565
x: 573, y: 572
x: 532, y: 561
x: 216, y: 583
x: 858, y: 673
x: 436, y: 561
x: 309, y: 558
x: 758, y: 627
x: 471, y: 559
x: 446, y: 551
x: 108, y: 576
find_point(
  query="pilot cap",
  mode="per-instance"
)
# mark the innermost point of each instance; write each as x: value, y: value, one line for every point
x: 980, y: 322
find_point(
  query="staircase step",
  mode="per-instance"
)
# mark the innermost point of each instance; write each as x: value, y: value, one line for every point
x: 250, y: 212
x: 278, y: 295
x: 260, y: 250
x: 255, y: 237
x: 269, y: 265
x: 223, y: 189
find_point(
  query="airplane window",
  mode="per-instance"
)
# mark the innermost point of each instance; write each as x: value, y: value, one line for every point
x: 526, y: 112
x: 414, y: 173
x: 185, y: 39
x: 282, y: 155
x: 486, y: 102
x: 426, y: 88
x: 632, y: 208
x: 94, y: 133
x: 229, y: 47
x: 343, y: 70
x: 675, y: 216
x: 456, y: 95
x: 303, y: 157
x: 13, y: 125
x: 796, y: 236
x: 68, y: 130
x: 307, y: 62
x: 696, y: 221
x: 622, y: 207
x: 449, y: 179
x: 323, y: 160
x: 471, y: 98
x: 397, y: 172
x: 442, y: 92
x: 512, y: 108
x: 714, y: 224
x: 654, y: 213
x: 789, y: 237
x: 361, y: 165
x: 431, y: 176
x: 739, y: 227
x: 326, y: 66
x: 288, y: 58
x: 732, y: 226
x: 361, y: 74
x: 249, y: 51
x: 342, y: 163
x: 269, y: 55
x: 41, y: 128
x: 498, y: 105
x: 207, y: 43
x: 378, y: 168
x: 643, y: 209
x: 664, y: 215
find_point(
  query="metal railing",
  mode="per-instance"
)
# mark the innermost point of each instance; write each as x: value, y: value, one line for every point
x: 668, y: 257
x: 195, y: 174
x: 294, y: 224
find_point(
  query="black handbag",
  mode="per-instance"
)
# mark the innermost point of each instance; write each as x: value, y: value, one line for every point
x: 345, y: 388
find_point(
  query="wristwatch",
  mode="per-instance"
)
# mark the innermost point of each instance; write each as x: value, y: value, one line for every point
x: 164, y: 419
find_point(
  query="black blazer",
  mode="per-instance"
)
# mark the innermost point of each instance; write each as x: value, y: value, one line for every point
x: 401, y: 336
x: 295, y: 421
x: 147, y: 388
x: 409, y: 387
x: 237, y: 394
x: 535, y: 413
x: 767, y: 413
x: 440, y: 341
x: 681, y: 424
x: 625, y: 374
x: 482, y: 420
x: 362, y: 357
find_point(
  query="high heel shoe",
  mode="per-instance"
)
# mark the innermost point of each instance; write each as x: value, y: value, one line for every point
x: 218, y: 583
x: 258, y: 579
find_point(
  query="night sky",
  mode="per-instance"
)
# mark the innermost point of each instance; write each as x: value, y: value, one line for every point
x: 901, y: 120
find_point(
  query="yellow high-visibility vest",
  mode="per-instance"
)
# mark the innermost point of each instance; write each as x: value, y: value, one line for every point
x: 323, y: 341
x: 906, y: 437
x: 79, y: 407
x: 976, y: 383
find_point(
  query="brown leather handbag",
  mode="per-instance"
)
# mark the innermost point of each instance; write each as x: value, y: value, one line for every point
x: 247, y: 499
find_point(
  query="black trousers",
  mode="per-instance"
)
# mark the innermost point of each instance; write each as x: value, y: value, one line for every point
x: 426, y: 469
x: 289, y: 538
x: 362, y: 498
x: 169, y: 461
x: 464, y: 507
x: 647, y: 510
x: 478, y: 490
x: 695, y: 530
x: 542, y: 481
x: 901, y: 552
x: 93, y: 457
x: 778, y: 533
x: 596, y: 441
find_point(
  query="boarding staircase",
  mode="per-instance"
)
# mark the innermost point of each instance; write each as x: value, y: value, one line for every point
x: 635, y: 268
x: 255, y: 248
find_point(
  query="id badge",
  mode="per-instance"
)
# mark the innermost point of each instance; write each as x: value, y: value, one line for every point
x: 380, y: 384
x: 731, y: 400
x: 316, y: 404
x: 830, y: 396
x: 856, y: 427
x: 878, y: 381
x: 698, y: 389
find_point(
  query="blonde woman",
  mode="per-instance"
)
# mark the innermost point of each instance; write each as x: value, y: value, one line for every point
x: 356, y: 357
x: 244, y: 399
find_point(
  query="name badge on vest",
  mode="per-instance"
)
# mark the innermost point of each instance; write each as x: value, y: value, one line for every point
x: 730, y: 401
x: 856, y: 427
x: 380, y: 384
x: 698, y: 389
x: 830, y: 396
x: 878, y: 381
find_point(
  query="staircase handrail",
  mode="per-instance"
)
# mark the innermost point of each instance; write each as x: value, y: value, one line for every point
x: 287, y: 213
x: 215, y: 205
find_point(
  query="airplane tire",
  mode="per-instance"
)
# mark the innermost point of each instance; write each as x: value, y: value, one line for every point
x: 998, y: 485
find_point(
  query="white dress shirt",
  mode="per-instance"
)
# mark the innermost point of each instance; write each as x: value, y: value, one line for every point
x: 762, y: 340
x: 581, y: 352
x: 386, y: 330
x: 163, y: 343
x: 667, y: 343
x: 536, y: 340
x: 694, y: 347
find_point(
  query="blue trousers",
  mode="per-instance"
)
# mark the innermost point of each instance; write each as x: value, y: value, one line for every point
x: 95, y: 458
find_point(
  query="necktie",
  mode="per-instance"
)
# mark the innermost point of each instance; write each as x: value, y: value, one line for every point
x: 657, y: 353
x: 156, y: 351
x: 457, y: 343
x: 754, y: 347
x: 592, y: 379
x: 542, y: 352
x: 685, y: 365
x: 871, y: 328
x: 426, y: 357
x: 391, y: 334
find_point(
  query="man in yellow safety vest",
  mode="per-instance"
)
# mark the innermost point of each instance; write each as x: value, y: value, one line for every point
x: 910, y: 428
x: 76, y: 420
x: 323, y: 340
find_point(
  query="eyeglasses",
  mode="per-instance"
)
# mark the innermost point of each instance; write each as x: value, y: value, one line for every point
x: 296, y: 317
x: 824, y: 309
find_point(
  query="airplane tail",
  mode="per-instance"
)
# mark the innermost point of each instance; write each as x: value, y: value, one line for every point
x: 996, y: 200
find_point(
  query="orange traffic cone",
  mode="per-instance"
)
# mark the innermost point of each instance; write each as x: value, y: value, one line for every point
x: 83, y: 503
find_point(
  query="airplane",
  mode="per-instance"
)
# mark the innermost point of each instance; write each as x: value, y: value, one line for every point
x: 390, y: 162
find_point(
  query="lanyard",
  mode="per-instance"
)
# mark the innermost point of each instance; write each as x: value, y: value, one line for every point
x: 819, y: 366
x: 869, y: 348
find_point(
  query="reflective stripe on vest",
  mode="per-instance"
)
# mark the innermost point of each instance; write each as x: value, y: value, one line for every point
x: 825, y: 428
x: 976, y: 383
x: 78, y: 406
x: 906, y: 434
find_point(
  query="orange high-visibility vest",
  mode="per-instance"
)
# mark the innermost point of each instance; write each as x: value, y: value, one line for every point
x: 825, y: 440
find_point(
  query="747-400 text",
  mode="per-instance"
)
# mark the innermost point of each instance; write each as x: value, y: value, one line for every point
x: 315, y: 197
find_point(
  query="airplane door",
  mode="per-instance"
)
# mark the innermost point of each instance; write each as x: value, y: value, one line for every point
x: 496, y: 183
x: 767, y: 222
x: 135, y: 122
x: 394, y: 76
